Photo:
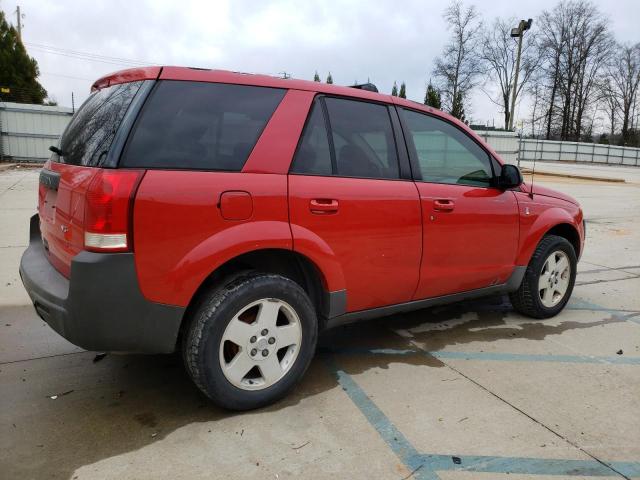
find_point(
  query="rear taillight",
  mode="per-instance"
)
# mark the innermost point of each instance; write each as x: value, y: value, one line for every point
x: 108, y: 210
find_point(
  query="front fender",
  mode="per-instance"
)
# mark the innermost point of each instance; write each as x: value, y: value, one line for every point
x: 538, y: 222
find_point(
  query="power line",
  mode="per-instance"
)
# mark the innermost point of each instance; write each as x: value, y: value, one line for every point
x: 88, y: 56
x: 68, y: 76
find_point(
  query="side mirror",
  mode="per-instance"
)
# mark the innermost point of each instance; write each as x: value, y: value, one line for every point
x: 510, y: 176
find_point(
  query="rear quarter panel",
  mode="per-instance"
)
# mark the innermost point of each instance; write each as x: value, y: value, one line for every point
x: 180, y: 235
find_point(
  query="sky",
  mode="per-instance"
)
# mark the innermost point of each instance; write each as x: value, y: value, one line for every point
x: 356, y: 40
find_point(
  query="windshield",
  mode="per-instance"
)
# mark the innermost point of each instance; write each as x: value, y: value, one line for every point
x: 88, y: 136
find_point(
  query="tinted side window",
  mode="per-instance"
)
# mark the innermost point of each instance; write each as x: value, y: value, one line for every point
x: 89, y: 135
x: 313, y: 156
x: 201, y: 126
x: 445, y: 153
x: 363, y: 139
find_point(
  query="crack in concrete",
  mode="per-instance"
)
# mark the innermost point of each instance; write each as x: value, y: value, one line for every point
x: 535, y: 420
x: 633, y: 277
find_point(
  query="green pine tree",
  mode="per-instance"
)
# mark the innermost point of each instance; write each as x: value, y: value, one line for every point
x: 329, y: 78
x: 18, y: 71
x: 316, y: 77
x: 457, y: 108
x: 394, y: 90
x: 403, y: 91
x: 432, y: 97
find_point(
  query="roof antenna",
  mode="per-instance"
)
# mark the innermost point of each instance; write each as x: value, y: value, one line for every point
x: 535, y: 156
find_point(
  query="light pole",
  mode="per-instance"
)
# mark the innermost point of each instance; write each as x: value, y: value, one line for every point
x: 517, y: 32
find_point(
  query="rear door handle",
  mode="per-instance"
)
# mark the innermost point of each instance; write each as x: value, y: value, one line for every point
x: 443, y: 205
x: 323, y: 206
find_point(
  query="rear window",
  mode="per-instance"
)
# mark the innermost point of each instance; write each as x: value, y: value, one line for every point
x: 89, y: 135
x: 200, y: 126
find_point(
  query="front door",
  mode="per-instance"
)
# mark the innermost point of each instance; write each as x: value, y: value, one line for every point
x: 470, y: 227
x: 347, y: 201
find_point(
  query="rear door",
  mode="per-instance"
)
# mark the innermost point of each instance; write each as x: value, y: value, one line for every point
x: 347, y: 198
x: 470, y: 227
x: 85, y: 145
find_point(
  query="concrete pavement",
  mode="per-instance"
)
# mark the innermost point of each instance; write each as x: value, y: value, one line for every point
x: 471, y: 391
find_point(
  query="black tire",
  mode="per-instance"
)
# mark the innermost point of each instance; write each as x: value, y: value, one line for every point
x: 526, y: 300
x: 202, y: 342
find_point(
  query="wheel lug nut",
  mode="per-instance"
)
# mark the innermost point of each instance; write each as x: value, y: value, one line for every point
x: 253, y: 352
x: 272, y: 341
x: 265, y: 352
x: 264, y: 332
x: 253, y: 339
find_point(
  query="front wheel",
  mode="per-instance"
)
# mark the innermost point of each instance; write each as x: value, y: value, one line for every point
x: 549, y: 279
x: 251, y: 341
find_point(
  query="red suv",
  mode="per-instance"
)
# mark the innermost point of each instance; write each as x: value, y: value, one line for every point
x: 235, y: 216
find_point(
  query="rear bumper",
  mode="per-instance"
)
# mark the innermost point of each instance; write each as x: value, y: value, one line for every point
x: 100, y: 307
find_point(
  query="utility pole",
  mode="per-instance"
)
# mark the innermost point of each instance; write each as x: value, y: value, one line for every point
x: 517, y: 32
x: 19, y: 23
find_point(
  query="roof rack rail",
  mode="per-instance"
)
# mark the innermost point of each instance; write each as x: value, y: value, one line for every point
x: 370, y: 87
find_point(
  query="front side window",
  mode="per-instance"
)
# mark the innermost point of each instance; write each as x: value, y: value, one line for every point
x: 446, y: 154
x: 200, y: 126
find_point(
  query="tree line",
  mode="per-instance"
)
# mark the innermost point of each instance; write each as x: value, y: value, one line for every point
x: 574, y: 72
x: 572, y: 68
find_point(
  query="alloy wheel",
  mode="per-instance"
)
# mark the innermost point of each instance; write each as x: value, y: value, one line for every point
x: 554, y: 279
x: 260, y: 344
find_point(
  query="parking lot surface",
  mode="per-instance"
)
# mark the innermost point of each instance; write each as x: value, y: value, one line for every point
x: 469, y: 391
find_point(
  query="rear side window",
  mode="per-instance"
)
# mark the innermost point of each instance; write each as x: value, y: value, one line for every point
x: 362, y: 143
x: 445, y: 153
x: 200, y: 126
x: 314, y: 154
x: 363, y: 139
x: 89, y: 135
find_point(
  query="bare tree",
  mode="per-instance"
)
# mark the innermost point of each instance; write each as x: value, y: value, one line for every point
x: 575, y: 44
x: 609, y: 99
x: 624, y: 78
x: 498, y: 52
x: 456, y: 70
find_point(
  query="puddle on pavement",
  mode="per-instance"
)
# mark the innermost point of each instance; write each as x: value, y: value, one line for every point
x: 124, y: 403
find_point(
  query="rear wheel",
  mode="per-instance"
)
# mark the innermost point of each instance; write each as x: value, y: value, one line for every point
x: 549, y: 279
x: 251, y: 340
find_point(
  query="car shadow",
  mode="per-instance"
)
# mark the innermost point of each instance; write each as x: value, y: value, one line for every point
x: 122, y: 403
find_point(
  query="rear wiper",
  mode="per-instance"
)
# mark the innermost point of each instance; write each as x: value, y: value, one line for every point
x: 56, y: 150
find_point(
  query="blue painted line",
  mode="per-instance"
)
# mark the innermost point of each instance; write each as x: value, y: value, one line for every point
x: 396, y: 441
x: 532, y: 466
x: 524, y: 357
x: 579, y: 304
x: 490, y: 356
x: 425, y: 466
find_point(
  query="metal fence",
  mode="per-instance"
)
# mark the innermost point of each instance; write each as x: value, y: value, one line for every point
x: 27, y: 131
x: 513, y: 149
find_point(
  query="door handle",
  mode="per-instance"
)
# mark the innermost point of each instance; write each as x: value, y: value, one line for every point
x: 323, y: 206
x: 443, y: 205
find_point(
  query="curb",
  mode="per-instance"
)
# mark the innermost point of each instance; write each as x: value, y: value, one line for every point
x: 579, y: 177
x: 13, y: 166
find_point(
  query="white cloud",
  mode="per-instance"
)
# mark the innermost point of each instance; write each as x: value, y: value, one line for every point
x: 354, y: 40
